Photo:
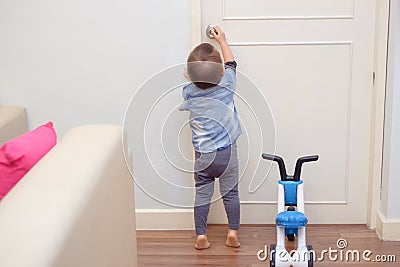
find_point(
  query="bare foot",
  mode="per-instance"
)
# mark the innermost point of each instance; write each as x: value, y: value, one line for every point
x: 202, y: 242
x: 232, y: 239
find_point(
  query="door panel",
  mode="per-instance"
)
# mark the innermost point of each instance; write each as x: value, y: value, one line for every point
x: 312, y: 60
x: 272, y: 9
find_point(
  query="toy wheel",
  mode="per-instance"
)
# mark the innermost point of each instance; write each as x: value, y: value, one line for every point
x: 290, y: 237
x: 311, y: 256
x: 272, y: 253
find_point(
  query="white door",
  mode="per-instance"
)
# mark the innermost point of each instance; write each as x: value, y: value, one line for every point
x: 312, y: 60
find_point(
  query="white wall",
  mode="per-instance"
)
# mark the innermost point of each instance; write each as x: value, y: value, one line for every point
x: 79, y: 61
x: 391, y: 169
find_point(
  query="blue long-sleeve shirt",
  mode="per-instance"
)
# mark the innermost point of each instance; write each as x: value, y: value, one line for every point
x: 213, y: 117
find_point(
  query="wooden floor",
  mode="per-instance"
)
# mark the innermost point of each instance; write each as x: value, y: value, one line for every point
x: 176, y: 248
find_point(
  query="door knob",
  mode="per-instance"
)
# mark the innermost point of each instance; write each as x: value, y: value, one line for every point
x: 209, y: 30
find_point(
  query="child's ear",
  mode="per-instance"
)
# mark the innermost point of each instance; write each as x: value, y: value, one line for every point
x: 186, y: 74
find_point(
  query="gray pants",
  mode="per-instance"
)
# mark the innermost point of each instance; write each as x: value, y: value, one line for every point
x: 224, y: 165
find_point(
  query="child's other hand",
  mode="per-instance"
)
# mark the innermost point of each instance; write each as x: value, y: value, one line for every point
x: 218, y: 34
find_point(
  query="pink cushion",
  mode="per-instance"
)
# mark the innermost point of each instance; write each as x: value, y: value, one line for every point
x: 19, y: 155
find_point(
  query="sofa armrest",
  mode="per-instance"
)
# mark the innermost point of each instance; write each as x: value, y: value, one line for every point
x: 13, y: 122
x: 74, y: 208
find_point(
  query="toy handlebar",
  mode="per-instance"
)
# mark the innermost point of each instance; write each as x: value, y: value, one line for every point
x: 280, y: 162
x: 282, y: 168
x: 299, y: 163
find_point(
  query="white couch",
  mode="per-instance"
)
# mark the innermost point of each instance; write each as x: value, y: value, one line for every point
x: 74, y: 208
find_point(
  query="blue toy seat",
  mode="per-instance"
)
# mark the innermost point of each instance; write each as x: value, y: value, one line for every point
x: 291, y: 219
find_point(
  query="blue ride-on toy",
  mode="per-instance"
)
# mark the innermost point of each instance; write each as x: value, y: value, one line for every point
x: 291, y: 221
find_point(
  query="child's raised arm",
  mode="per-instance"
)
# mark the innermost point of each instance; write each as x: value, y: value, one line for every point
x: 220, y: 37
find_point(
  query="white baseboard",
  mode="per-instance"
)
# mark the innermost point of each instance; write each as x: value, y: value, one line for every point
x: 164, y: 219
x: 387, y: 229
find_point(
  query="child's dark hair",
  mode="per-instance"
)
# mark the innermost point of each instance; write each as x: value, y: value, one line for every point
x: 204, y: 66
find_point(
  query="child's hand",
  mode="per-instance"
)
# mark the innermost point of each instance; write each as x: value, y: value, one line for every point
x: 220, y: 37
x: 218, y: 34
